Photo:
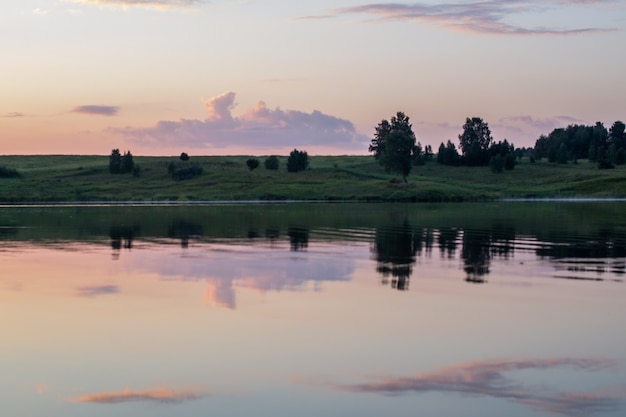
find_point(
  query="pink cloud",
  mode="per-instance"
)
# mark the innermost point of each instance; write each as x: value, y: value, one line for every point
x: 161, y: 394
x: 483, y: 17
x: 258, y: 129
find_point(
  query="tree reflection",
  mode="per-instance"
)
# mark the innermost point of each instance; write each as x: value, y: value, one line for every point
x: 122, y: 237
x: 183, y: 230
x: 447, y: 239
x: 395, y: 249
x: 298, y: 238
x: 476, y: 255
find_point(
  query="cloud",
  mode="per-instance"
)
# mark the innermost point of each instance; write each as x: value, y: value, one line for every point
x: 526, y: 129
x: 488, y: 378
x: 97, y: 290
x: 160, y: 395
x: 259, y: 127
x: 484, y: 17
x: 14, y: 114
x: 96, y: 109
x: 156, y: 4
x: 42, y: 388
x: 40, y: 12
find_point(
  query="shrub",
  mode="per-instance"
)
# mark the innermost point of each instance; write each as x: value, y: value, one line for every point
x: 297, y: 161
x: 9, y: 173
x: 271, y: 163
x: 184, y: 156
x: 186, y: 173
x: 252, y: 164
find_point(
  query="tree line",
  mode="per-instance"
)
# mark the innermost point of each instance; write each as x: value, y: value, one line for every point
x: 595, y: 143
x: 395, y: 147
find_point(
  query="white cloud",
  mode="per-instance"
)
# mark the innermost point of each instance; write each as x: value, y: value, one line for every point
x: 258, y: 128
x: 156, y: 4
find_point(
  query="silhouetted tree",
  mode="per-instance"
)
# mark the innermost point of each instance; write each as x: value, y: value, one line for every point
x: 394, y: 145
x: 475, y: 141
x: 448, y: 155
x: 115, y: 161
x: 297, y: 161
x: 127, y: 163
x: 617, y: 134
x: 184, y: 156
x: 252, y: 164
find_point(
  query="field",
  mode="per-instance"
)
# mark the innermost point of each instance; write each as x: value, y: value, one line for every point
x: 59, y: 178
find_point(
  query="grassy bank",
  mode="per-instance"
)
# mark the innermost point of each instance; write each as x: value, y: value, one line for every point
x: 54, y: 178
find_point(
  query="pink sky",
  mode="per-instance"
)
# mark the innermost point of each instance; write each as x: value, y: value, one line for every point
x: 221, y: 77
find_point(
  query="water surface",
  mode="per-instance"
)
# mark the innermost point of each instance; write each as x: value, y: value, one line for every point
x: 495, y: 309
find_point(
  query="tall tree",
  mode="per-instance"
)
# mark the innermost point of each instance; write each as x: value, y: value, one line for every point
x: 394, y: 145
x: 115, y: 161
x: 475, y: 141
x: 617, y: 135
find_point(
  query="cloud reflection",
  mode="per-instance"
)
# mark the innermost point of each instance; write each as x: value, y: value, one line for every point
x: 160, y: 395
x: 94, y: 291
x: 226, y: 269
x: 488, y: 378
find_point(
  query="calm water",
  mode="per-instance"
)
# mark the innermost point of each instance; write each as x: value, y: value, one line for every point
x: 512, y: 309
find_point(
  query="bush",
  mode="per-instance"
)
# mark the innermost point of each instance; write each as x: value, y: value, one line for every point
x: 271, y: 163
x: 120, y: 164
x: 184, y: 156
x: 9, y: 173
x: 252, y: 164
x: 496, y: 163
x: 297, y: 161
x: 186, y: 173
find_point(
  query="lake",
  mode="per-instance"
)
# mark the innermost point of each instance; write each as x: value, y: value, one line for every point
x: 490, y: 309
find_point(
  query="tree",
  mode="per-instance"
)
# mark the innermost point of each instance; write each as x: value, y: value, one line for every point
x: 617, y: 134
x: 127, y: 163
x: 115, y: 161
x: 252, y: 164
x: 271, y: 163
x: 297, y: 161
x: 447, y: 154
x: 475, y: 141
x: 394, y: 145
x: 184, y: 156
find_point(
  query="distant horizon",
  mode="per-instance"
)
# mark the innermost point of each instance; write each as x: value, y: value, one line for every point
x: 159, y: 77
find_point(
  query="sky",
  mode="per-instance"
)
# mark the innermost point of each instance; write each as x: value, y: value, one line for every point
x: 251, y: 77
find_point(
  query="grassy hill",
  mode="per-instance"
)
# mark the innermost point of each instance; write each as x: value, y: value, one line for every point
x: 54, y: 178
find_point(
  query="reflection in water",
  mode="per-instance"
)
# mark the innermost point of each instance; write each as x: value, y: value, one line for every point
x: 394, y: 250
x: 299, y: 283
x: 447, y: 239
x: 298, y: 238
x: 159, y: 395
x: 491, y: 378
x: 184, y: 230
x: 476, y: 255
x: 122, y: 236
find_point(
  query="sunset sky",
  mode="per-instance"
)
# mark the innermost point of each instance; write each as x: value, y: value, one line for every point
x: 159, y: 77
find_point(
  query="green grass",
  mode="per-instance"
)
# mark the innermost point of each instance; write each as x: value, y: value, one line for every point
x: 54, y: 178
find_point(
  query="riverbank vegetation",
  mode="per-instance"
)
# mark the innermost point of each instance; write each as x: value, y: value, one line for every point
x: 57, y: 178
